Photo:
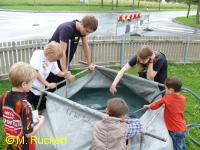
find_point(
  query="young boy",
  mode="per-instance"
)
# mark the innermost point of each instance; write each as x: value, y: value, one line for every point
x: 68, y: 35
x: 173, y: 112
x: 44, y: 62
x: 15, y: 110
x: 114, y: 131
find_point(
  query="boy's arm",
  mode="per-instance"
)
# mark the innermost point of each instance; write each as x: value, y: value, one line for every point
x: 157, y: 104
x: 87, y: 53
x: 45, y: 82
x: 67, y: 75
x: 150, y: 72
x: 63, y: 60
x: 113, y: 87
x: 37, y: 126
x: 61, y: 74
x: 134, y: 127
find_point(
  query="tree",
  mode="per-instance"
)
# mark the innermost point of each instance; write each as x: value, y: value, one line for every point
x: 189, y: 5
x: 198, y: 10
x: 133, y: 4
x: 138, y: 3
x: 159, y: 1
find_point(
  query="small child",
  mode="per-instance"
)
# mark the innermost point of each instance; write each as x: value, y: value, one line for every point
x: 173, y: 112
x: 15, y: 110
x: 115, y: 130
x: 44, y: 62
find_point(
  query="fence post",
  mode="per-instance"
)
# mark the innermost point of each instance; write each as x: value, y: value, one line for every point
x: 92, y: 50
x: 185, y: 55
x: 122, y: 51
x: 116, y: 29
x: 39, y: 44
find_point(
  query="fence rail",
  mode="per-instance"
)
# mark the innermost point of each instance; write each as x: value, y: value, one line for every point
x: 107, y: 50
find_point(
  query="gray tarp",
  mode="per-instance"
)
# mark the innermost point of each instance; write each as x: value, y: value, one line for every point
x: 69, y: 113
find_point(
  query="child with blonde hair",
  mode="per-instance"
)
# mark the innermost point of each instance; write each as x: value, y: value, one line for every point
x: 116, y: 129
x: 44, y: 62
x: 16, y: 111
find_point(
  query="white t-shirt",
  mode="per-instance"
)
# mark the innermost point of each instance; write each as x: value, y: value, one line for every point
x: 44, y: 67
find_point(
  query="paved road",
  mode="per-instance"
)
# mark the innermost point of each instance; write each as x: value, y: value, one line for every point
x: 20, y: 25
x: 162, y: 22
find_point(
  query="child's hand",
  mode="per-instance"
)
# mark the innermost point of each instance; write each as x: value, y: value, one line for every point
x: 91, y: 67
x: 69, y: 77
x: 124, y: 119
x: 41, y: 119
x: 148, y: 100
x: 113, y: 89
x: 65, y: 74
x: 146, y: 106
x: 51, y: 85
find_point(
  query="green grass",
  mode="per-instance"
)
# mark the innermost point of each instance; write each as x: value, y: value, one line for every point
x: 190, y: 21
x: 189, y: 74
x: 4, y: 86
x: 94, y: 5
x: 64, y: 8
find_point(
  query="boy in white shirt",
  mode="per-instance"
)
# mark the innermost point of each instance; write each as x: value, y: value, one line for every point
x: 44, y: 62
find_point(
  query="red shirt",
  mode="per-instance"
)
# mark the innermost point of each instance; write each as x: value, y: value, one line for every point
x: 173, y: 112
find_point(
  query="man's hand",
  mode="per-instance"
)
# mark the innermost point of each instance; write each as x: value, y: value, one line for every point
x: 69, y: 76
x: 113, y: 89
x: 91, y: 67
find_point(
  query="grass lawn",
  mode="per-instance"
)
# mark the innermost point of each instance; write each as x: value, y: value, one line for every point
x: 190, y: 76
x: 190, y: 21
x: 94, y: 5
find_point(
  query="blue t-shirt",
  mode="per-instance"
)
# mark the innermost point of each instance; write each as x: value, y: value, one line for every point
x: 65, y: 32
x: 160, y: 65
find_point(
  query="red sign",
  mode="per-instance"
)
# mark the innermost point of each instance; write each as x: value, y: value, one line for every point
x: 128, y: 18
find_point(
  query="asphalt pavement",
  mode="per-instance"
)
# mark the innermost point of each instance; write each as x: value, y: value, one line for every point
x: 18, y: 25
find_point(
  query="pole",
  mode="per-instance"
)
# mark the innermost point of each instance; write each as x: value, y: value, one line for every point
x: 154, y: 136
x: 68, y: 55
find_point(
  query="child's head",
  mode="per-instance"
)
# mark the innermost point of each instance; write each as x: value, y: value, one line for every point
x: 89, y: 25
x: 173, y: 84
x: 21, y: 75
x: 144, y: 54
x: 52, y: 51
x: 116, y: 107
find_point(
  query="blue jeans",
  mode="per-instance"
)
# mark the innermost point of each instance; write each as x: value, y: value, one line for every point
x: 178, y: 140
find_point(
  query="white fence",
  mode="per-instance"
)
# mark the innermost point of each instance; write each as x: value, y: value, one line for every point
x: 112, y: 50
